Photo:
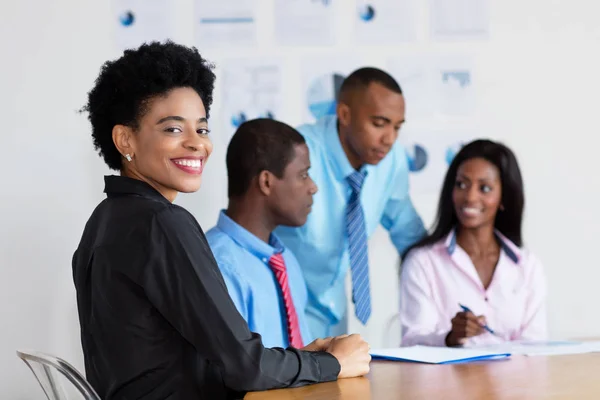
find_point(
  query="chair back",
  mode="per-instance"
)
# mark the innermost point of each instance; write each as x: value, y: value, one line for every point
x: 46, y: 368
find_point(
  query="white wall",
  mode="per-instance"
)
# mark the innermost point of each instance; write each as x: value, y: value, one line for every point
x: 538, y: 79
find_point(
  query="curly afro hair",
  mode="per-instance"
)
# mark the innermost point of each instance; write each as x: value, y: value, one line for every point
x: 122, y: 90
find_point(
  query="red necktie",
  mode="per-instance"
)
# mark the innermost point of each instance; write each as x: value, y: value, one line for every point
x: 278, y: 266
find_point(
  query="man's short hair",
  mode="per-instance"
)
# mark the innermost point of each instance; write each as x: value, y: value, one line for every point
x: 363, y: 77
x: 259, y: 145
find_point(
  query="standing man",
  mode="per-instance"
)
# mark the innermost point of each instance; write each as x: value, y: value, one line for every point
x: 362, y: 174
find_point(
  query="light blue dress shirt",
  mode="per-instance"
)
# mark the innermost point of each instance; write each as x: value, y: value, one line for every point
x: 243, y: 260
x: 321, y: 245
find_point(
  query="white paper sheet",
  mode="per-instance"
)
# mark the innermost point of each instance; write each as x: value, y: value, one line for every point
x: 436, y: 355
x: 429, y: 152
x: 545, y: 348
x: 304, y: 22
x: 139, y: 21
x: 454, y: 86
x: 442, y: 86
x: 416, y: 77
x: 440, y: 96
x: 460, y: 19
x: 251, y: 89
x: 385, y: 21
x: 225, y: 23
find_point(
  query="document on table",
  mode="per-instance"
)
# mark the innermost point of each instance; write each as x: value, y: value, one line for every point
x: 545, y: 348
x: 437, y: 355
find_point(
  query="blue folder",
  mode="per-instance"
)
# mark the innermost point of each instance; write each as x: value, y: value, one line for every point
x: 437, y: 355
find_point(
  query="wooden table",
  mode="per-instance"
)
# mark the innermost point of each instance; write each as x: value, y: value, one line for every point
x: 572, y: 377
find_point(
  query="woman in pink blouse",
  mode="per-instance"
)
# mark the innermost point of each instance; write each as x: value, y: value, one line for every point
x: 474, y: 260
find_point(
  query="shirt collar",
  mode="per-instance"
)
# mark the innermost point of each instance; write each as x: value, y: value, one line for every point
x: 248, y: 240
x: 512, y: 250
x: 115, y: 185
x: 338, y: 159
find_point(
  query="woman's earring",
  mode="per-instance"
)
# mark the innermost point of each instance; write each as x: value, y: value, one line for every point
x: 128, y: 157
x: 501, y: 207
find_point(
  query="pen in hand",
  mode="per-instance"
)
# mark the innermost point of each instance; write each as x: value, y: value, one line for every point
x: 467, y: 309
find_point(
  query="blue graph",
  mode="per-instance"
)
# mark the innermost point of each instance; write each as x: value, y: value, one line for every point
x: 238, y: 119
x: 452, y: 150
x: 322, y: 94
x: 417, y: 157
x: 462, y: 77
x: 232, y: 20
x: 127, y: 18
x: 366, y: 12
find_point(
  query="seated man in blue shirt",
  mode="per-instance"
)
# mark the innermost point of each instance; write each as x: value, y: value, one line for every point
x: 269, y: 185
x: 362, y: 174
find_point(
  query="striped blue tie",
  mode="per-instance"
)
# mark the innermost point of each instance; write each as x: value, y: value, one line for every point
x: 357, y: 248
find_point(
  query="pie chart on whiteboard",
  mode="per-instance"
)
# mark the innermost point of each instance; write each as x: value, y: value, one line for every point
x: 241, y: 116
x: 366, y: 12
x: 417, y: 157
x: 322, y: 94
x: 127, y: 18
x: 238, y: 118
x: 452, y: 150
